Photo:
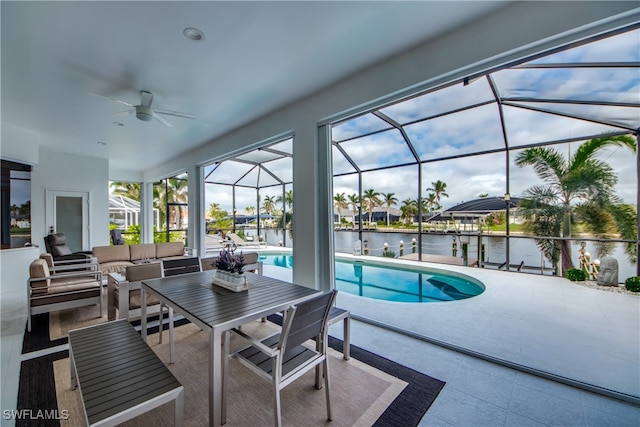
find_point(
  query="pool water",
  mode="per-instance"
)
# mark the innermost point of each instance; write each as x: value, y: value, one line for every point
x: 390, y: 283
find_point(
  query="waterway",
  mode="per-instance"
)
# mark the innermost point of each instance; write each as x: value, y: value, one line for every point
x: 493, y: 248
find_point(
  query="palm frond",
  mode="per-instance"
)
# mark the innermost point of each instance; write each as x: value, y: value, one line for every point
x: 587, y: 150
x: 547, y: 163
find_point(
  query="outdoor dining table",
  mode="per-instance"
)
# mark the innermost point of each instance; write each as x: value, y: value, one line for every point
x: 216, y: 310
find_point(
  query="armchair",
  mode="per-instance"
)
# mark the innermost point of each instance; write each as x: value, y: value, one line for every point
x: 66, y: 266
x: 52, y: 291
x: 123, y: 291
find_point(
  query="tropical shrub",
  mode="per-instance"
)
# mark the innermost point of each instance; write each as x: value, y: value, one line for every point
x: 388, y: 254
x: 576, y: 275
x: 632, y: 284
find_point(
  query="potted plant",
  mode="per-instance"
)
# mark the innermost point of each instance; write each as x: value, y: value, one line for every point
x: 230, y: 267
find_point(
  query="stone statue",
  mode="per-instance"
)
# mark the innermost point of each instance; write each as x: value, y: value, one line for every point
x: 608, y: 275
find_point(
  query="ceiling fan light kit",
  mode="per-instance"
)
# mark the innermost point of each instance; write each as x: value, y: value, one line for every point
x: 144, y: 113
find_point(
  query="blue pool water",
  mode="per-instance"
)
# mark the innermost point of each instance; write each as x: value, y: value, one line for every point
x: 391, y: 283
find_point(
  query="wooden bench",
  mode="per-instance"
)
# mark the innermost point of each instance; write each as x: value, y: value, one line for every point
x: 119, y: 375
x: 337, y: 314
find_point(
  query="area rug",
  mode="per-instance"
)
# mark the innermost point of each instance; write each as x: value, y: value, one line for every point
x: 366, y: 390
x: 51, y: 329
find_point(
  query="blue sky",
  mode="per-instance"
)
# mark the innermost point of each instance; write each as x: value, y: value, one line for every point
x: 479, y: 129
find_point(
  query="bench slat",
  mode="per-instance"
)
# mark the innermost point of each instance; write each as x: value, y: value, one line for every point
x: 119, y: 375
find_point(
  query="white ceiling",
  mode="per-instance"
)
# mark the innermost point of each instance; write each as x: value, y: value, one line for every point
x: 255, y: 58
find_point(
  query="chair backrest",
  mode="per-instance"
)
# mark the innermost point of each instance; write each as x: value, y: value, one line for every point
x: 306, y: 320
x: 56, y: 244
x: 235, y: 238
x: 209, y: 263
x: 116, y: 237
x: 173, y: 267
x: 135, y: 273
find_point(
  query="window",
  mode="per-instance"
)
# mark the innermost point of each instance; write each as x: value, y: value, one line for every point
x: 16, y: 205
x: 170, y: 198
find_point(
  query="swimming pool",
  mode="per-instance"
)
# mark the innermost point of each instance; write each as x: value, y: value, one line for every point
x: 390, y: 283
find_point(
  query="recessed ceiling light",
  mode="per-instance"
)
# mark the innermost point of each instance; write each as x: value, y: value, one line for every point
x: 193, y: 34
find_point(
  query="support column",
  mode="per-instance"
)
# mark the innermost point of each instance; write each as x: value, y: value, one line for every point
x: 312, y: 214
x: 196, y: 232
x: 146, y: 212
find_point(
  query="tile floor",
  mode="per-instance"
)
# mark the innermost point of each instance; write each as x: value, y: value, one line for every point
x: 477, y: 392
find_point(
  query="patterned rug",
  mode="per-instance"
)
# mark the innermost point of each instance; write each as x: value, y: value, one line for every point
x: 366, y: 390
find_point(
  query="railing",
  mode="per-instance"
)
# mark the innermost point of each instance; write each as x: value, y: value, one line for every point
x: 489, y: 250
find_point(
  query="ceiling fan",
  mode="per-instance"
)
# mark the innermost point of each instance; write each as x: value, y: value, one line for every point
x: 145, y: 112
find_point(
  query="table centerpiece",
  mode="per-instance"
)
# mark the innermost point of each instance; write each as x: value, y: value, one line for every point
x: 230, y: 270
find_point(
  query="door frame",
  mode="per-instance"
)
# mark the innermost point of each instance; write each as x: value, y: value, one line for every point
x: 50, y: 208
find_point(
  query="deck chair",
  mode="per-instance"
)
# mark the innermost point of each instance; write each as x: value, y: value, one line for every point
x: 116, y: 237
x: 239, y: 241
x: 282, y: 358
x: 56, y: 245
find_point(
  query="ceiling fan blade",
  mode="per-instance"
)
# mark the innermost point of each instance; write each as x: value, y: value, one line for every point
x: 110, y: 98
x: 146, y: 98
x: 174, y: 113
x: 163, y: 121
x: 124, y: 113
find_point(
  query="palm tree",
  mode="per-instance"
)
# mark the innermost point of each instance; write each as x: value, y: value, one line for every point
x: 354, y: 201
x: 340, y: 202
x: 409, y: 209
x: 372, y: 200
x: 127, y: 189
x: 215, y: 212
x: 269, y: 204
x: 432, y: 202
x: 287, y: 219
x: 177, y: 189
x: 439, y: 189
x: 389, y: 200
x: 580, y: 188
x: 288, y: 199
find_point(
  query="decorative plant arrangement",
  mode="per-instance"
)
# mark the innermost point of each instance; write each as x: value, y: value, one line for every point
x: 230, y: 270
x: 576, y: 275
x: 632, y: 284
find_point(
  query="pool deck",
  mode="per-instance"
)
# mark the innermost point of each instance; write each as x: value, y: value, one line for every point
x: 441, y: 259
x: 539, y: 324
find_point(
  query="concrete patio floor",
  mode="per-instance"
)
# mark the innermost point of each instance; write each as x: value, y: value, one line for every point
x: 546, y: 325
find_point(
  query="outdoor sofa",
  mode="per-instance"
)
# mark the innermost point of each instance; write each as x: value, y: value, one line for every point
x: 116, y: 259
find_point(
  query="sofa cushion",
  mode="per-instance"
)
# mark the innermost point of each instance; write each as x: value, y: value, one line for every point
x: 250, y: 257
x: 39, y: 269
x: 58, y: 242
x: 139, y: 272
x: 209, y: 263
x: 114, y: 267
x: 170, y: 249
x: 142, y: 251
x: 111, y: 253
x: 72, y: 285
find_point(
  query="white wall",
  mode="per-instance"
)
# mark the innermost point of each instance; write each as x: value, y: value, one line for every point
x: 512, y: 33
x: 71, y: 172
x: 18, y: 144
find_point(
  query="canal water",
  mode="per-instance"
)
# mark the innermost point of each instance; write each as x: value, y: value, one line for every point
x: 494, y: 248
